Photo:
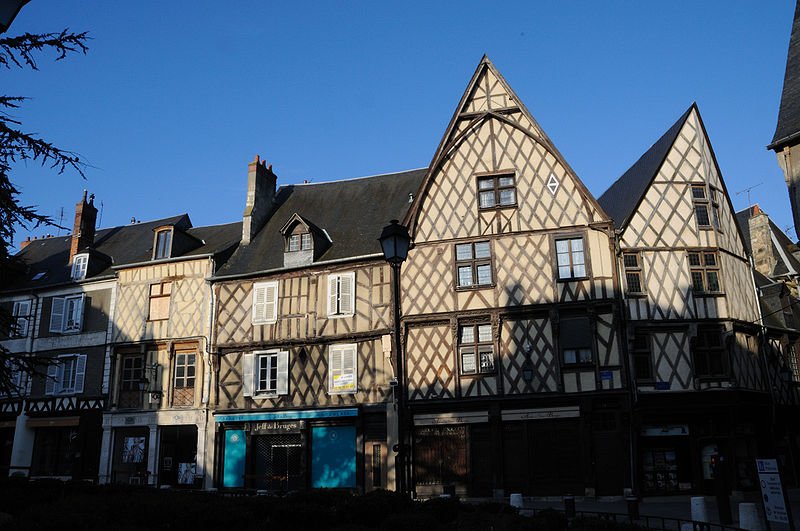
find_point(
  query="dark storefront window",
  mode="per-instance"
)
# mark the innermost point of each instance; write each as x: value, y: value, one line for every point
x: 440, y: 455
x: 279, y: 462
x: 130, y: 456
x: 177, y: 456
x: 54, y: 451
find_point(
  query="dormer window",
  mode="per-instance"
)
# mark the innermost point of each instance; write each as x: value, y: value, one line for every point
x: 79, y: 265
x: 163, y: 244
x: 299, y: 241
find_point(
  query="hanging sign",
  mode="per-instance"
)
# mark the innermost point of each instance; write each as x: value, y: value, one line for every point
x: 771, y: 491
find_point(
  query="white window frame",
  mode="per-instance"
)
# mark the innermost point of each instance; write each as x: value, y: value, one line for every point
x: 62, y: 321
x: 56, y: 374
x: 20, y: 321
x: 80, y: 264
x: 166, y: 250
x: 343, y: 376
x: 18, y: 378
x: 251, y: 370
x: 341, y: 303
x: 265, y: 311
x: 572, y: 256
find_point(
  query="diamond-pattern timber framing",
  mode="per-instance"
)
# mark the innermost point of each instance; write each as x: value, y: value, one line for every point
x: 745, y: 364
x: 308, y: 379
x: 524, y: 271
x: 669, y: 290
x: 430, y: 362
x: 427, y: 280
x: 672, y: 359
x: 607, y: 340
x: 528, y: 341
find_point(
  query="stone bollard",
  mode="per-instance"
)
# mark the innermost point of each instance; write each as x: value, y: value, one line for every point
x: 699, y: 510
x: 748, y: 517
x: 516, y: 500
x: 569, y: 506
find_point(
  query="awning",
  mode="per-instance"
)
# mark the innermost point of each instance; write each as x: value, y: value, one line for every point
x: 289, y: 415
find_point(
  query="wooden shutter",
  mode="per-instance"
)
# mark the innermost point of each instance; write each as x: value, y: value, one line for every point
x: 57, y: 315
x: 283, y: 373
x: 77, y: 315
x: 22, y: 310
x: 52, y: 377
x: 349, y: 365
x: 248, y: 377
x: 342, y: 369
x: 80, y: 372
x: 271, y: 302
x: 346, y: 292
x: 333, y: 295
x: 259, y: 303
x: 334, y: 366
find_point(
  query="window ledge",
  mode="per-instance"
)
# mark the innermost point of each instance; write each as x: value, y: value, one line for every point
x: 498, y: 207
x: 265, y: 394
x: 636, y: 295
x: 259, y: 322
x: 340, y: 315
x: 573, y: 279
x: 707, y: 294
x: 478, y: 374
x: 476, y: 287
x: 578, y: 366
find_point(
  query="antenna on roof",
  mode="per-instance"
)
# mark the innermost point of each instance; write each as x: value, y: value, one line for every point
x: 747, y: 191
x: 60, y: 220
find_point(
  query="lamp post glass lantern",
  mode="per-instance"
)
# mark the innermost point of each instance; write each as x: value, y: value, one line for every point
x: 395, y: 242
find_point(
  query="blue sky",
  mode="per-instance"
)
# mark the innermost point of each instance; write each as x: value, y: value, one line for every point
x: 174, y: 99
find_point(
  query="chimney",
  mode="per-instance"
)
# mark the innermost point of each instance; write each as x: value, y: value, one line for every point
x: 260, y: 198
x: 83, y: 231
x: 761, y: 242
x: 25, y: 243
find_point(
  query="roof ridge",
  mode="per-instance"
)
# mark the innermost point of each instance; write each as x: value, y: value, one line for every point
x: 355, y: 178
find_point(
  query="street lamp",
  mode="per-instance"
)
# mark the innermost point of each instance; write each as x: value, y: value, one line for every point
x: 395, y: 242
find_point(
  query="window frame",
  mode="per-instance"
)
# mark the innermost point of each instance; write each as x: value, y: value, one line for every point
x: 80, y: 266
x: 251, y: 363
x: 572, y: 263
x: 641, y: 349
x: 704, y: 350
x: 703, y: 269
x: 496, y: 188
x: 129, y: 377
x: 162, y: 249
x: 17, y: 317
x: 160, y: 295
x: 577, y: 347
x: 477, y: 348
x: 56, y: 372
x: 709, y: 201
x: 344, y: 348
x: 337, y: 311
x: 181, y: 382
x: 63, y: 326
x: 636, y: 270
x: 474, y: 264
x: 265, y: 318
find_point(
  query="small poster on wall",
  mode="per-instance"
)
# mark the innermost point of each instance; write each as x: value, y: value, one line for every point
x: 133, y: 450
x: 186, y: 473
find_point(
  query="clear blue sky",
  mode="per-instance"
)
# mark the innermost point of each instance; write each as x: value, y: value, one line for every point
x: 174, y: 99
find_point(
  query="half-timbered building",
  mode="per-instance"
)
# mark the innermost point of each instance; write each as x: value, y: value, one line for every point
x: 154, y: 432
x: 60, y: 298
x: 303, y: 316
x: 702, y: 393
x: 516, y: 379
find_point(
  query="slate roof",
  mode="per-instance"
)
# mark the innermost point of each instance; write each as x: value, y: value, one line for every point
x: 742, y: 219
x: 352, y: 212
x: 126, y: 244
x: 789, y: 114
x: 622, y: 197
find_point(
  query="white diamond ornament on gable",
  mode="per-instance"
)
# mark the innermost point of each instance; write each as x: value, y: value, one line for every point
x: 552, y: 184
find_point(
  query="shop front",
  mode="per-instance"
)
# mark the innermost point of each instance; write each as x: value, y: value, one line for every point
x: 286, y: 451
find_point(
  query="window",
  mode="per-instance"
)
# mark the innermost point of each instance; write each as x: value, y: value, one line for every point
x: 570, y: 258
x: 266, y: 373
x: 299, y: 242
x: 496, y: 191
x: 473, y: 264
x: 575, y: 338
x: 342, y: 369
x: 65, y: 375
x: 184, y: 370
x: 476, y: 349
x: 20, y: 317
x: 79, y: 265
x: 132, y: 372
x: 17, y: 376
x: 159, y: 301
x: 704, y: 269
x: 708, y: 353
x: 341, y: 294
x: 706, y: 206
x: 66, y: 314
x: 633, y: 272
x: 642, y: 358
x: 265, y: 302
x: 163, y: 247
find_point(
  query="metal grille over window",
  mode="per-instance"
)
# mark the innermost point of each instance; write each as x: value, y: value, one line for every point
x: 476, y: 349
x: 704, y: 267
x: 496, y: 191
x: 570, y: 258
x: 474, y: 264
x: 633, y: 272
x: 185, y: 369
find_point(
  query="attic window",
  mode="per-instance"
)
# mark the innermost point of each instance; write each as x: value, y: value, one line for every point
x: 79, y: 265
x: 299, y: 240
x: 163, y: 244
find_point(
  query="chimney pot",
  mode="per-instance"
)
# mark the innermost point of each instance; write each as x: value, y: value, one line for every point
x: 84, y: 227
x: 261, y: 185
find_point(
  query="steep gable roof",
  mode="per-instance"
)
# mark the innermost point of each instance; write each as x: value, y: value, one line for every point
x: 622, y: 197
x: 352, y: 213
x: 788, y: 126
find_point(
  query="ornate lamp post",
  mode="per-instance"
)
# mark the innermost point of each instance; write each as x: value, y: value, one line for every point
x: 395, y: 242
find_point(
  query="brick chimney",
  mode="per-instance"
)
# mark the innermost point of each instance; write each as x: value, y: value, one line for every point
x: 761, y: 242
x: 261, y: 184
x: 83, y: 231
x: 26, y: 242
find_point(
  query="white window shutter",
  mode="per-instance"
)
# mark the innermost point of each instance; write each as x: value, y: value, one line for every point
x: 259, y: 303
x: 80, y: 372
x: 334, y: 365
x: 283, y: 373
x: 248, y: 376
x: 57, y: 315
x: 271, y: 302
x: 52, y: 377
x: 346, y: 292
x: 78, y: 315
x: 349, y: 364
x: 21, y: 313
x: 333, y: 294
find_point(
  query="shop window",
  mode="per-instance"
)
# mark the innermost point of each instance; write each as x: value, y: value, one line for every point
x: 65, y: 375
x: 709, y: 355
x: 570, y: 258
x: 576, y: 338
x: 476, y: 349
x: 55, y: 451
x: 158, y: 309
x: 440, y: 455
x: 473, y: 265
